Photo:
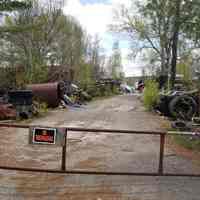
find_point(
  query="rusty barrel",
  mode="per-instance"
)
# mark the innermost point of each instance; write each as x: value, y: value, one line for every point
x: 50, y: 93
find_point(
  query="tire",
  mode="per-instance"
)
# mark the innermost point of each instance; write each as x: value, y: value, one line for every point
x: 182, y: 107
x: 181, y: 125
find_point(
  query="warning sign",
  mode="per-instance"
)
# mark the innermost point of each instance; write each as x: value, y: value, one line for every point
x: 44, y: 135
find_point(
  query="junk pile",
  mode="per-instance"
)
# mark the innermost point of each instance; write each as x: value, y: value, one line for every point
x: 21, y: 103
x: 140, y: 86
x: 50, y: 93
x: 126, y: 89
x: 179, y: 105
x: 7, y: 111
x: 16, y: 104
x: 104, y: 87
x: 58, y: 93
x: 183, y: 108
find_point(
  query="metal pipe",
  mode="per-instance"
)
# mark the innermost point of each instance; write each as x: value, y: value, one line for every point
x: 83, y: 172
x: 63, y: 164
x: 63, y: 167
x: 9, y: 125
x: 75, y: 129
x: 162, y: 146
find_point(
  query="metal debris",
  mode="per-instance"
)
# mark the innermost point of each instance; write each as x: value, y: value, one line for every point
x: 7, y: 111
x: 50, y: 93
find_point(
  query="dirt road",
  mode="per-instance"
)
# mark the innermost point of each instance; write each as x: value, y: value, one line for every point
x: 103, y: 152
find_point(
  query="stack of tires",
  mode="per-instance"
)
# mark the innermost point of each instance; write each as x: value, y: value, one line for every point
x: 180, y: 106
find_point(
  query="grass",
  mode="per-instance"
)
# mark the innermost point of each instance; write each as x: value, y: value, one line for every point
x: 151, y: 94
x: 188, y: 142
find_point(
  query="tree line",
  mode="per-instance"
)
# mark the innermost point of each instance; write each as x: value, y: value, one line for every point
x: 168, y: 30
x: 39, y: 43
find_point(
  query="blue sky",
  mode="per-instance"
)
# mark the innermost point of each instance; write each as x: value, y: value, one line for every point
x: 95, y: 16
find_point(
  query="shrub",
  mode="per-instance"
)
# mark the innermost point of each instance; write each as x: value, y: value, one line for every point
x: 151, y: 94
x: 39, y: 108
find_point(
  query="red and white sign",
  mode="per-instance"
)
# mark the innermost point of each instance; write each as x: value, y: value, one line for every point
x: 44, y: 136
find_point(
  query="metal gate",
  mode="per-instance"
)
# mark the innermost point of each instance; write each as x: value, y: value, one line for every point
x: 64, y: 169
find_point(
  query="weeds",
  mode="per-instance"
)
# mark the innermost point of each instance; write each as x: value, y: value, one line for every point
x: 188, y: 142
x: 151, y: 94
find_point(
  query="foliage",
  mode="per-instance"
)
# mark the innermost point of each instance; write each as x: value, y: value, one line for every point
x: 184, y: 68
x: 37, y: 38
x: 39, y: 108
x: 84, y: 76
x: 103, y: 90
x: 12, y: 5
x: 151, y: 94
x: 7, y: 77
x: 160, y: 25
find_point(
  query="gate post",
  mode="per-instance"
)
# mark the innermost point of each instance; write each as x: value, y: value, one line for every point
x: 162, y: 145
x: 63, y: 164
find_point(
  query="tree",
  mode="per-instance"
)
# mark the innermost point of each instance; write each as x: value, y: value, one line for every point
x: 148, y: 27
x: 52, y: 39
x: 95, y: 56
x: 46, y: 40
x: 12, y: 5
x: 184, y: 68
x: 8, y: 6
x: 159, y: 25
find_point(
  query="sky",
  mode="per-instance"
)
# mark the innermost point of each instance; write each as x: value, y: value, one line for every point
x: 95, y: 16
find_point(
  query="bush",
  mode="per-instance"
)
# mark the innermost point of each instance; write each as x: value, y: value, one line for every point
x: 39, y: 108
x: 151, y: 94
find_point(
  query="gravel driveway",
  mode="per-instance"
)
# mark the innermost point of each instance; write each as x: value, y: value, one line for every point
x: 103, y: 152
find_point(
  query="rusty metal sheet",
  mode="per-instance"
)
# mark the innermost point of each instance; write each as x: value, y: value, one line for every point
x: 50, y: 93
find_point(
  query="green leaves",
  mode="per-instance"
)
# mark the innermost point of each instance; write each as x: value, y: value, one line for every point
x: 12, y: 5
x: 151, y: 94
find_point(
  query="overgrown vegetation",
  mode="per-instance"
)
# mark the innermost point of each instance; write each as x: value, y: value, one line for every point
x: 184, y: 69
x: 151, y: 94
x: 188, y: 142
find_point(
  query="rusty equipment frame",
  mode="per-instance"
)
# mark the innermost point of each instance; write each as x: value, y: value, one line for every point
x: 85, y: 172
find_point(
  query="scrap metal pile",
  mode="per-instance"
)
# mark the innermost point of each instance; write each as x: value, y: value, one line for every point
x: 16, y: 104
x: 183, y: 107
x: 179, y: 105
x: 21, y: 103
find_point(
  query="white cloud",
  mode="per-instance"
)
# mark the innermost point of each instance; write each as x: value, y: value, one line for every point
x: 127, y: 3
x: 95, y: 19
